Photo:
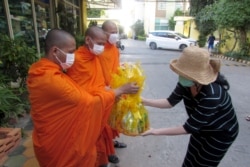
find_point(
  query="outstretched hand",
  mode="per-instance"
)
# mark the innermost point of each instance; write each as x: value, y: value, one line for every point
x: 143, y: 100
x: 148, y: 132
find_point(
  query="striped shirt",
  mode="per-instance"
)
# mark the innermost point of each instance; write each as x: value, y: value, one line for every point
x: 211, y: 122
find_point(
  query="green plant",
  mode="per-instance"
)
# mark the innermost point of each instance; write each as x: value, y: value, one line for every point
x: 202, y: 40
x: 79, y: 40
x: 92, y: 23
x: 11, y: 105
x: 142, y: 38
x: 171, y: 21
x: 16, y: 57
x: 237, y: 55
x: 138, y: 28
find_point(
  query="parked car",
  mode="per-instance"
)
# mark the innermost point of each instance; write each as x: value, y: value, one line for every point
x: 168, y: 40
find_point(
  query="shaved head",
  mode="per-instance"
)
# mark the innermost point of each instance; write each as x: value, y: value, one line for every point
x: 95, y: 34
x: 57, y: 37
x: 108, y: 24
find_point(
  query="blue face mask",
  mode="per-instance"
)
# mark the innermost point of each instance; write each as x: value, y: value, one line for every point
x: 185, y: 82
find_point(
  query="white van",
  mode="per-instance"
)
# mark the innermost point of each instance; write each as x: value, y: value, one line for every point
x: 168, y: 40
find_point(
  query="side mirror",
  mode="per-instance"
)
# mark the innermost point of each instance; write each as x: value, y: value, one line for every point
x: 177, y: 38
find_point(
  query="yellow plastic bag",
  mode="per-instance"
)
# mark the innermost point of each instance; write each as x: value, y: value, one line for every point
x: 129, y: 116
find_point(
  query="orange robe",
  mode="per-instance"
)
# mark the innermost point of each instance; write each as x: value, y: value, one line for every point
x: 87, y: 72
x: 67, y: 119
x: 110, y: 61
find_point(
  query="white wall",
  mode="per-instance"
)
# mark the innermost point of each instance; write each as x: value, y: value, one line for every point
x: 149, y: 16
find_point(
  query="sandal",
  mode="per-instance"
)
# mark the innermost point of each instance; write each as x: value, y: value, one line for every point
x: 248, y: 118
x: 119, y: 145
x: 113, y: 159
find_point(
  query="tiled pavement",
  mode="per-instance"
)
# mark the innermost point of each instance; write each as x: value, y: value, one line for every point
x: 23, y: 155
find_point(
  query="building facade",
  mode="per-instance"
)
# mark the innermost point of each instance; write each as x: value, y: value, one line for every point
x: 32, y: 19
x: 158, y: 13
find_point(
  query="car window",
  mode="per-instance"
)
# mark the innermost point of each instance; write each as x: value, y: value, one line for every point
x: 161, y: 34
x: 170, y: 35
x: 181, y: 35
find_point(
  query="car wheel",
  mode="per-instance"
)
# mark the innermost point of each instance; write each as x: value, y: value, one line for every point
x: 153, y: 46
x: 183, y: 47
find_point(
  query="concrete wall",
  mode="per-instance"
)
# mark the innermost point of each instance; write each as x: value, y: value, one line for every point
x: 186, y: 26
x: 149, y: 17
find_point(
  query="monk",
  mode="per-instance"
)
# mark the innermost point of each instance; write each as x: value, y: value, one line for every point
x: 110, y: 61
x: 87, y: 72
x: 67, y: 120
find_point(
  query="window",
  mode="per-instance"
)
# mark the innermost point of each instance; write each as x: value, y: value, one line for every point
x: 69, y: 17
x: 162, y: 34
x: 22, y: 22
x: 161, y: 6
x: 161, y: 24
x: 171, y: 35
x: 43, y: 21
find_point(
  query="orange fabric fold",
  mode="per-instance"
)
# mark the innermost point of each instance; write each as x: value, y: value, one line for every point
x: 67, y: 119
x: 87, y: 72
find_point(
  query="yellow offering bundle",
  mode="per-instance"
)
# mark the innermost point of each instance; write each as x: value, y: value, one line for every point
x: 129, y: 116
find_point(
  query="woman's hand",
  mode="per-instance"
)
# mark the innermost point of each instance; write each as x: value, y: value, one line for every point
x: 148, y: 132
x: 143, y: 100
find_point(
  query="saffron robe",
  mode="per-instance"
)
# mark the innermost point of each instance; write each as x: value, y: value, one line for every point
x: 67, y: 119
x: 110, y: 62
x: 87, y: 72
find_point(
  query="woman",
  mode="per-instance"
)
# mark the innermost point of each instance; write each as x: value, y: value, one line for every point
x: 211, y: 121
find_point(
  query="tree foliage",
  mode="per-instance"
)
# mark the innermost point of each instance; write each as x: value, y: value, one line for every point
x: 94, y: 13
x: 197, y: 5
x: 171, y: 22
x: 138, y: 28
x: 15, y: 59
x: 205, y: 27
x: 233, y: 16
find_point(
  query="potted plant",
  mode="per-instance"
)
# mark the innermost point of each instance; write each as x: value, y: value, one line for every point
x: 15, y: 59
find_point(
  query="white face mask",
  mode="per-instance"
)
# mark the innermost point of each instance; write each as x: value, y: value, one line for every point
x: 70, y: 58
x: 97, y: 49
x: 113, y: 38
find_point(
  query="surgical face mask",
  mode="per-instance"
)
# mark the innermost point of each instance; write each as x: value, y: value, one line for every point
x: 97, y: 49
x: 185, y: 82
x: 113, y: 38
x: 70, y: 58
